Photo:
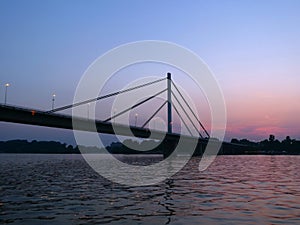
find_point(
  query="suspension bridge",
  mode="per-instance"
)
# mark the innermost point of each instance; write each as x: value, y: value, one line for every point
x: 54, y: 118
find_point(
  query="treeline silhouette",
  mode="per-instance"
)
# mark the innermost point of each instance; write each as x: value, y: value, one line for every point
x: 24, y: 146
x: 235, y: 147
x: 54, y: 147
x: 268, y: 146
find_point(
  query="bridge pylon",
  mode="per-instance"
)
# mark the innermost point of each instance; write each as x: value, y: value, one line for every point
x: 169, y: 92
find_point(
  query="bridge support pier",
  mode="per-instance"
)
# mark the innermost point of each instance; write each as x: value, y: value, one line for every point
x: 168, y: 147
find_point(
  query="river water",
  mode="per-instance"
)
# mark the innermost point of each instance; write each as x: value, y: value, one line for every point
x: 63, y: 189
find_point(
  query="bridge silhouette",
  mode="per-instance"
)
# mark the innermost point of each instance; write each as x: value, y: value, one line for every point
x: 53, y: 118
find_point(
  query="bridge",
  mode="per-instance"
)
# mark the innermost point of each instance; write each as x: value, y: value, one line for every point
x: 53, y: 118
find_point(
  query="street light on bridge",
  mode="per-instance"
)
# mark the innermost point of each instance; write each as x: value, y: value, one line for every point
x: 88, y: 111
x: 53, y: 100
x: 136, y: 116
x: 115, y: 110
x: 5, y: 97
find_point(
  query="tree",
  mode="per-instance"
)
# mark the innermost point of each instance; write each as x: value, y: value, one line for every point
x: 288, y: 140
x: 234, y: 140
x: 271, y: 137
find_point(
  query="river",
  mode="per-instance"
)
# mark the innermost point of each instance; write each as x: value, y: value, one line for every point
x: 63, y: 189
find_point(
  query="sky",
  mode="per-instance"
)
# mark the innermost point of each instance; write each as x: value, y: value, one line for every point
x: 252, y: 48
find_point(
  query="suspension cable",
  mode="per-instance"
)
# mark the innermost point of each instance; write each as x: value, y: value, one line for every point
x: 154, y: 114
x: 134, y: 106
x: 103, y: 97
x: 188, y: 116
x: 191, y: 110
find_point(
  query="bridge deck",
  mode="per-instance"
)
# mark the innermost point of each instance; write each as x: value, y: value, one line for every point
x: 36, y: 117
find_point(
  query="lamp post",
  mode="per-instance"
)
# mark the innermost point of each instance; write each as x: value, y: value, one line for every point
x: 53, y: 100
x: 88, y: 111
x: 115, y: 110
x: 5, y: 97
x: 136, y: 116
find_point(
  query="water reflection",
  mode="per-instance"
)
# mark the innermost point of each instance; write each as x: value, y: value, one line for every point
x: 168, y: 200
x: 63, y: 189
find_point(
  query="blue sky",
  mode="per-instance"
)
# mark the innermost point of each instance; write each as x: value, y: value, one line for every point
x: 253, y: 48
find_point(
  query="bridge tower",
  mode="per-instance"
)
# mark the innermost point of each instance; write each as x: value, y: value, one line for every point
x: 169, y: 80
x: 169, y: 145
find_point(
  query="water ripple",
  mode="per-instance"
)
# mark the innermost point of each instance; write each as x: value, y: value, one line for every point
x: 63, y: 189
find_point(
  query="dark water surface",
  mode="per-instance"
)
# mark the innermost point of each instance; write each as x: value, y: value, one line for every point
x: 63, y: 189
